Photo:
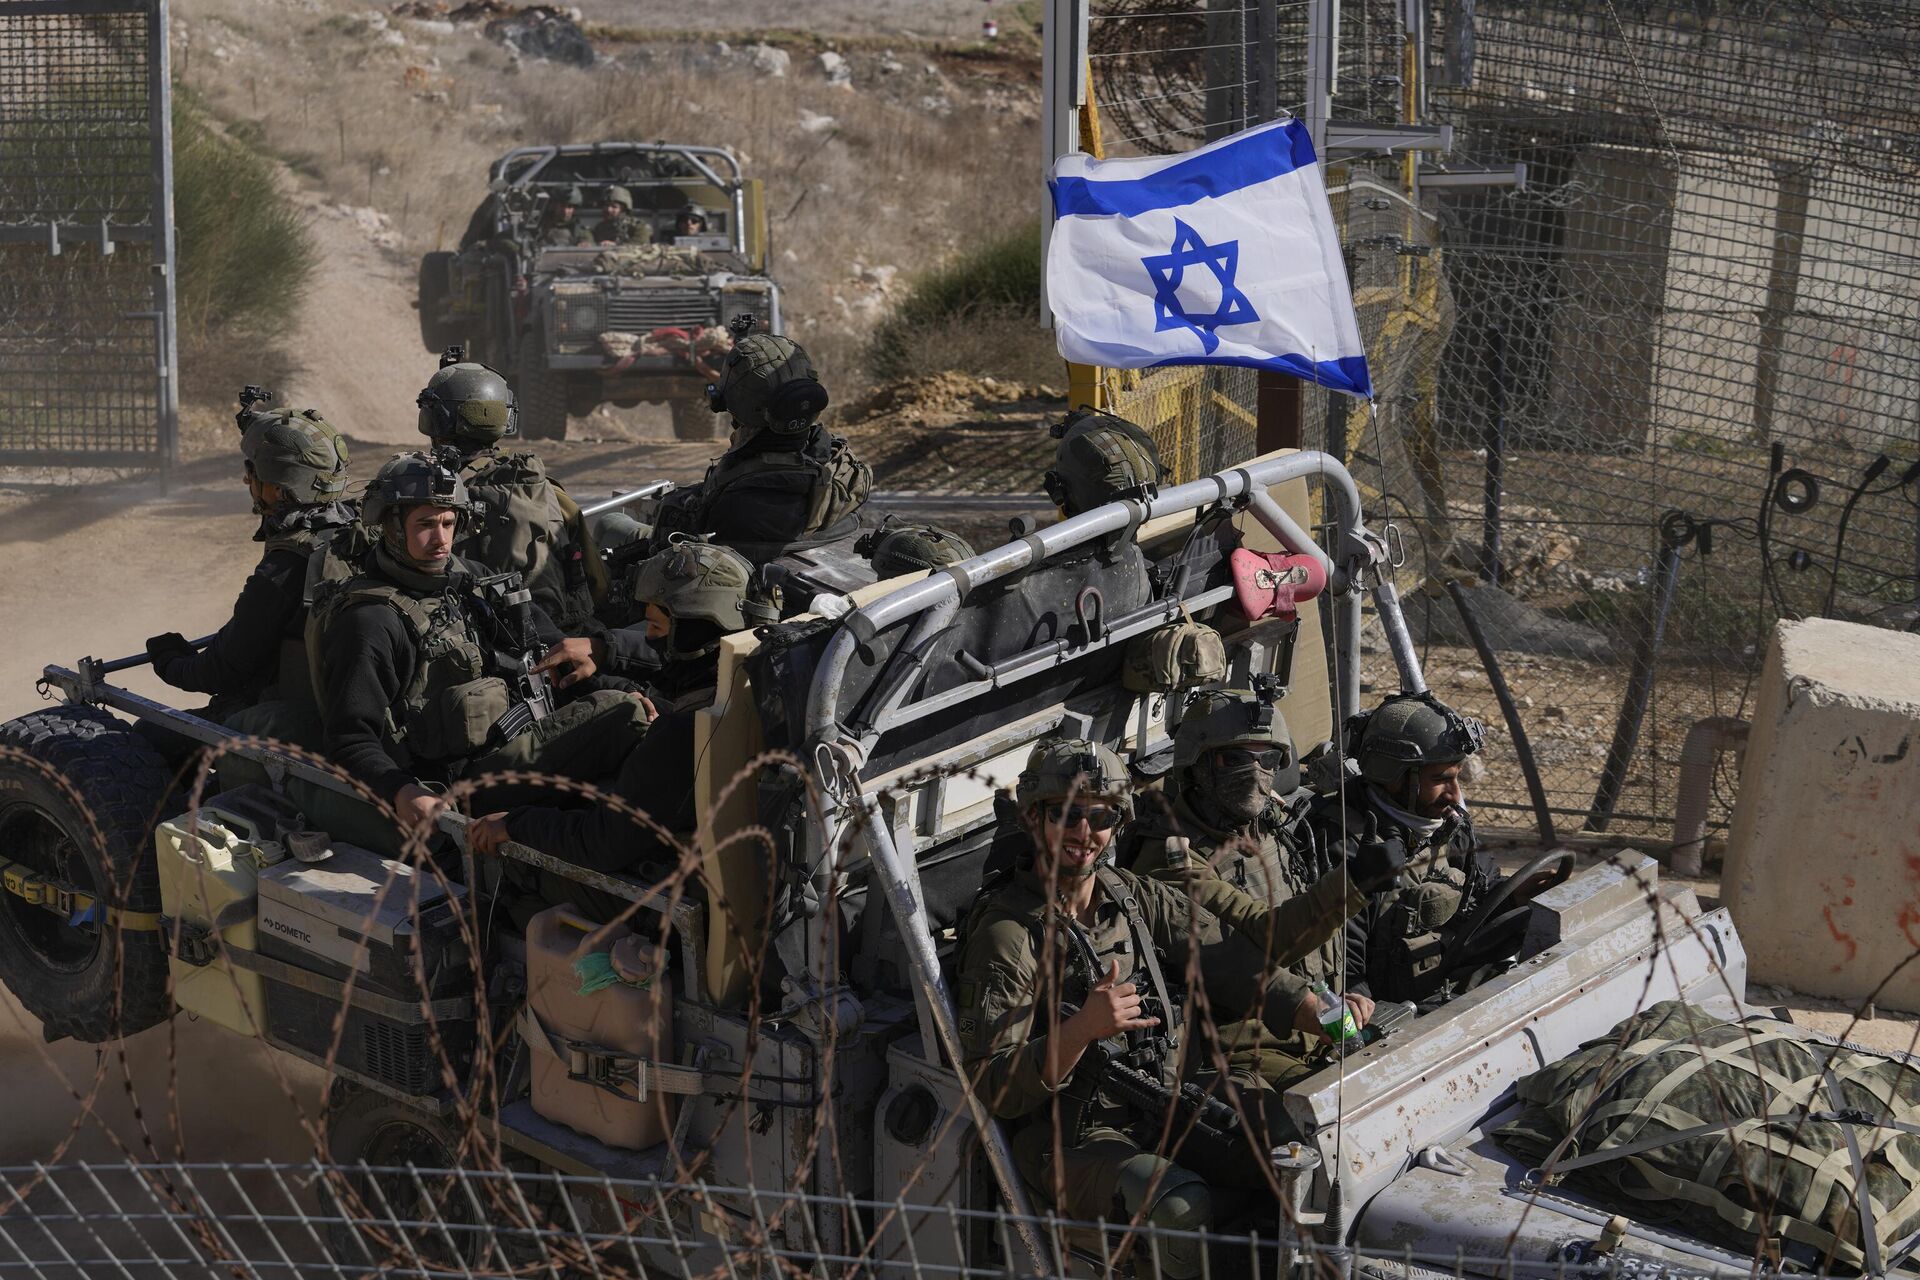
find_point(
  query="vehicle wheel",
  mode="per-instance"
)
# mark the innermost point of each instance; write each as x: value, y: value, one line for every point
x: 376, y: 1207
x: 542, y: 392
x: 80, y: 794
x: 693, y: 420
x: 434, y: 283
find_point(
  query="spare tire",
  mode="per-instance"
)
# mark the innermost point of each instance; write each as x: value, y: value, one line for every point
x: 379, y: 1215
x: 542, y: 392
x: 693, y: 420
x: 80, y: 794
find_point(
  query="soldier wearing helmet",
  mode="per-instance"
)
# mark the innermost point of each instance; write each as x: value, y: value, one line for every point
x: 296, y: 472
x: 1406, y: 759
x: 1101, y: 458
x: 617, y: 225
x: 690, y: 221
x: 784, y: 482
x: 1068, y: 959
x: 418, y: 662
x: 562, y: 227
x: 694, y: 595
x: 1227, y: 829
x: 522, y: 520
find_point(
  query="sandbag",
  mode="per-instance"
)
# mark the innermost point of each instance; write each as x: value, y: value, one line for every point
x: 1736, y: 1132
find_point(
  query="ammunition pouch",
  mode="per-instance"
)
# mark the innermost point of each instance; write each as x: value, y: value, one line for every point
x: 1179, y: 655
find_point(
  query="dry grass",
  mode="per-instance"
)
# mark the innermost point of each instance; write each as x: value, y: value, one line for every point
x: 409, y: 129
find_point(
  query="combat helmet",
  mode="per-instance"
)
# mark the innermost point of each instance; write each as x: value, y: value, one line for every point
x: 692, y: 210
x: 617, y: 195
x: 467, y: 404
x: 897, y: 548
x: 698, y: 581
x: 414, y: 480
x: 573, y: 196
x: 1100, y: 457
x: 1222, y: 717
x: 297, y: 450
x: 767, y: 383
x: 1407, y: 731
x: 1067, y: 767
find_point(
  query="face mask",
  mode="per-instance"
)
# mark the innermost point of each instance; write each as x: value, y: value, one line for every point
x: 1236, y: 793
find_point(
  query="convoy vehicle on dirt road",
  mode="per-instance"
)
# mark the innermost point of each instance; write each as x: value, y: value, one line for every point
x: 575, y: 323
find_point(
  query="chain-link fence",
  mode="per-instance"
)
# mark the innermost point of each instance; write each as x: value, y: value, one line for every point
x: 1642, y: 339
x: 86, y: 325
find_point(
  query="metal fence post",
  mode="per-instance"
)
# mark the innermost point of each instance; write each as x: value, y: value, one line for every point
x: 160, y: 100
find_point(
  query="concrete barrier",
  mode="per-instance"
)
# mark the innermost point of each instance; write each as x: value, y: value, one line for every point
x: 1823, y: 863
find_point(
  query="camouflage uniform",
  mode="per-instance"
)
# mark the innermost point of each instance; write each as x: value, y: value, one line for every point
x: 623, y: 228
x: 1023, y: 956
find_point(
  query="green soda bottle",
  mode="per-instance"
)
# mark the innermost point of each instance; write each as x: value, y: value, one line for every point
x: 1336, y: 1016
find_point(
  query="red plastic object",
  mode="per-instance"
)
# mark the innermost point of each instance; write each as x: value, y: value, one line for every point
x: 1271, y: 584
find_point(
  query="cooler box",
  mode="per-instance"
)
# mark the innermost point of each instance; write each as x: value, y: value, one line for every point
x: 332, y: 918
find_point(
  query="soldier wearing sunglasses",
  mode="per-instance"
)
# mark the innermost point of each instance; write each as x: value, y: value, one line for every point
x: 1068, y: 963
x: 1228, y: 830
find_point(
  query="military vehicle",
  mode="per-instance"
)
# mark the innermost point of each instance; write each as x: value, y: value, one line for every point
x: 577, y: 325
x: 810, y: 1039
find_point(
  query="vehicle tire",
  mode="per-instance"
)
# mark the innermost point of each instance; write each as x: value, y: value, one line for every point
x: 693, y: 420
x: 434, y: 283
x: 87, y: 981
x: 542, y: 392
x: 365, y: 1126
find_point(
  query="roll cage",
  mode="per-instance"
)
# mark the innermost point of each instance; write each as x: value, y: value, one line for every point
x: 520, y: 170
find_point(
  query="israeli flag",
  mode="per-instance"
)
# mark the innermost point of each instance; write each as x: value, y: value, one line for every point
x: 1225, y: 255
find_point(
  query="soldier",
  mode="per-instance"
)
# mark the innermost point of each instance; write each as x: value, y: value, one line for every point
x: 1068, y: 960
x: 617, y: 225
x: 784, y: 482
x: 1228, y: 829
x: 562, y: 226
x: 256, y: 666
x: 522, y: 521
x: 1410, y: 753
x: 408, y: 661
x: 897, y: 548
x: 695, y: 594
x: 690, y: 221
x: 1101, y: 458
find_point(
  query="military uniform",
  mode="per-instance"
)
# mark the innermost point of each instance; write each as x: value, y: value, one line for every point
x: 1258, y: 872
x: 1006, y: 993
x: 1394, y: 946
x: 406, y: 666
x: 623, y: 228
x: 522, y: 520
x: 787, y: 482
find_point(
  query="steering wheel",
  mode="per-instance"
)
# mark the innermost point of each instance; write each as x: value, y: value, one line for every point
x: 1503, y: 908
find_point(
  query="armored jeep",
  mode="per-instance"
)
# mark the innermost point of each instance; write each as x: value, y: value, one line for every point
x: 846, y: 786
x: 577, y: 325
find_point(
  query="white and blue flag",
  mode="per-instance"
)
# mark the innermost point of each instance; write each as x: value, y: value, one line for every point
x: 1225, y: 255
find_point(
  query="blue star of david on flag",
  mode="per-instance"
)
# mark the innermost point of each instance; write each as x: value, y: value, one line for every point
x: 1169, y: 269
x: 1225, y: 255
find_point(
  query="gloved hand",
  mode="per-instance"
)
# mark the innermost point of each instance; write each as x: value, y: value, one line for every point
x: 1378, y: 860
x: 168, y: 648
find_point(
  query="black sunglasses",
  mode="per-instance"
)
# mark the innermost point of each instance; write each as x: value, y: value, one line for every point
x: 1270, y: 759
x: 1099, y: 817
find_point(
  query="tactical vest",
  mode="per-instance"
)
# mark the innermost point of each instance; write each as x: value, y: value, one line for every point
x: 446, y: 712
x: 291, y: 681
x: 524, y: 523
x: 836, y: 487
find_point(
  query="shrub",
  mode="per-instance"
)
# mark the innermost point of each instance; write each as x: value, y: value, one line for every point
x: 995, y: 283
x: 246, y: 255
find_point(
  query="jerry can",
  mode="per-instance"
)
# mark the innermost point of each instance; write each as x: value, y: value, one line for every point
x: 631, y: 1017
x: 209, y: 862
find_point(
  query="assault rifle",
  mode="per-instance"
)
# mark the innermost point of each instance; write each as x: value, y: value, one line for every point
x: 509, y: 610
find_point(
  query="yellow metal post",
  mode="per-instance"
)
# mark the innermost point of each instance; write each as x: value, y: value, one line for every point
x: 1087, y: 383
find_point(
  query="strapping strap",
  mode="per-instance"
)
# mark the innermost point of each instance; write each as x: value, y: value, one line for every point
x: 1555, y: 1168
x: 1863, y: 1198
x: 61, y: 898
x: 627, y: 1076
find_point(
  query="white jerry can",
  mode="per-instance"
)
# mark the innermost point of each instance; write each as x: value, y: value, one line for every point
x: 210, y: 863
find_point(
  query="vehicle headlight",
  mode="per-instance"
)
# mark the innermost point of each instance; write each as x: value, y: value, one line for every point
x: 580, y: 317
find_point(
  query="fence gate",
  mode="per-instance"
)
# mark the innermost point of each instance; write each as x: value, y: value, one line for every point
x: 87, y: 366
